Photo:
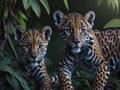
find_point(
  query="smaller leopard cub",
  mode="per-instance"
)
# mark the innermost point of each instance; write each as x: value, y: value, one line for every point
x: 33, y: 47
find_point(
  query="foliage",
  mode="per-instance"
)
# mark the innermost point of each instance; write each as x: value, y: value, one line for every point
x: 14, y: 12
x: 113, y: 3
x: 114, y: 23
x: 66, y: 4
x: 12, y: 75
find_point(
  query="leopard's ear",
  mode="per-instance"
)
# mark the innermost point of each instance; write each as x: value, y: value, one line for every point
x: 90, y: 16
x: 58, y: 17
x: 47, y: 31
x: 18, y: 32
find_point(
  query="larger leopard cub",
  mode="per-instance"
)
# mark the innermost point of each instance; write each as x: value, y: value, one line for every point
x: 97, y: 51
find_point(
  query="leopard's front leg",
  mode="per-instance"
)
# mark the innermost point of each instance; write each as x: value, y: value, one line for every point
x: 65, y: 79
x: 102, y: 76
x: 46, y: 85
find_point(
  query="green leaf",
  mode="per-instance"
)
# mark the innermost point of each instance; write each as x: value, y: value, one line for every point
x: 22, y: 23
x: 6, y: 12
x: 46, y: 5
x: 78, y: 73
x: 66, y: 4
x: 114, y: 4
x: 20, y: 18
x: 5, y: 61
x: 36, y: 7
x: 26, y: 3
x: 22, y: 15
x: 118, y: 84
x: 7, y: 68
x: 14, y: 1
x: 112, y: 24
x: 99, y: 2
x: 22, y: 81
x: 13, y: 82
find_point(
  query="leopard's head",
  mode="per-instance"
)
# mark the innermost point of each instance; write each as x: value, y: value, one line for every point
x: 75, y: 29
x: 32, y: 43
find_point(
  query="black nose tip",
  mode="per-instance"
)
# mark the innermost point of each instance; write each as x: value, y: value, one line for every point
x: 33, y: 56
x: 76, y: 41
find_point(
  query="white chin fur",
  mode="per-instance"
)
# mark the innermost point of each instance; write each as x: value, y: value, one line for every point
x: 76, y: 50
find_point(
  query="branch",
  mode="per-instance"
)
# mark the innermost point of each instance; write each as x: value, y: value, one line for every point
x: 13, y: 49
x: 7, y: 23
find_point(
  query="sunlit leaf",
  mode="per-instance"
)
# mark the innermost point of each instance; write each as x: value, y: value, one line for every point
x: 66, y: 4
x: 13, y: 82
x: 113, y: 23
x: 46, y: 5
x: 26, y: 3
x: 114, y: 4
x: 99, y: 2
x: 36, y: 7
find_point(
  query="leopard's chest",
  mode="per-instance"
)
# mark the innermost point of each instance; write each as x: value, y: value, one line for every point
x: 87, y: 61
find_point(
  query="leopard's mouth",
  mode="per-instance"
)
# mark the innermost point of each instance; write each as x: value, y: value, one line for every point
x: 76, y: 49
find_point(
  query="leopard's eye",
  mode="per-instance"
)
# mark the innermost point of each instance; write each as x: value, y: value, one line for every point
x: 83, y: 30
x: 26, y: 44
x: 41, y: 45
x: 87, y: 37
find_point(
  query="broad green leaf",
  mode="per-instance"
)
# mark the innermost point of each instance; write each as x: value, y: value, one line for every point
x: 35, y: 7
x: 99, y: 2
x: 46, y: 5
x: 13, y: 82
x: 8, y: 69
x: 66, y: 4
x: 26, y: 3
x: 112, y: 24
x: 22, y: 81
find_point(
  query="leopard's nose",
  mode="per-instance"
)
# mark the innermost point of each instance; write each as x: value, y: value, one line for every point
x: 76, y: 41
x: 33, y: 55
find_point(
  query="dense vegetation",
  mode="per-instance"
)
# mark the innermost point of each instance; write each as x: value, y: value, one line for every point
x: 36, y: 14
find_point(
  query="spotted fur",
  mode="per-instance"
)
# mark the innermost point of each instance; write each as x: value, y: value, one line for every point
x: 96, y: 51
x: 33, y: 46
